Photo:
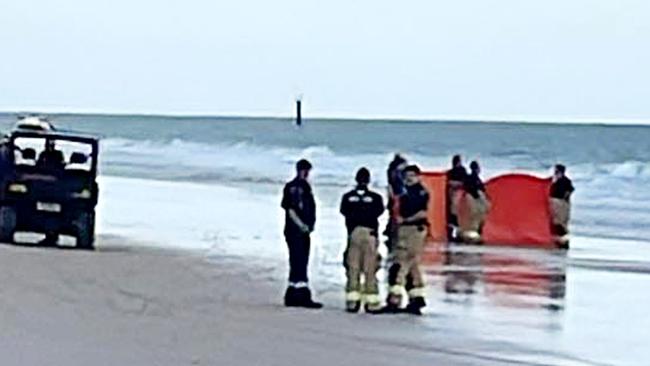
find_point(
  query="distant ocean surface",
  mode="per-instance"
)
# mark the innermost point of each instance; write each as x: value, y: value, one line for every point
x: 609, y: 164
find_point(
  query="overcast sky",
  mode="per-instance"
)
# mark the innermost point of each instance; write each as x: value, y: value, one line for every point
x: 546, y: 59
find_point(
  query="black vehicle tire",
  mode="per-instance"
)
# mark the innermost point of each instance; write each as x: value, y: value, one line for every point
x: 85, y: 231
x: 7, y: 224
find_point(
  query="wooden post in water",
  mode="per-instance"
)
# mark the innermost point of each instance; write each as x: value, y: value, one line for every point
x: 298, y: 112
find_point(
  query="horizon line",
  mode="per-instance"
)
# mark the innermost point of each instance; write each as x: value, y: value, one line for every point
x: 586, y: 121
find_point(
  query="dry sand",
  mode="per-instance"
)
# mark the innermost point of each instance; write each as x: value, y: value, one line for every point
x: 126, y: 306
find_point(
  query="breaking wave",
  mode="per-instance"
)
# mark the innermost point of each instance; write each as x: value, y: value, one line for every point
x: 611, y: 199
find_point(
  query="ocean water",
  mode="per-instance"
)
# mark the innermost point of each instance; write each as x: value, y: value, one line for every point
x: 609, y: 164
x: 213, y: 185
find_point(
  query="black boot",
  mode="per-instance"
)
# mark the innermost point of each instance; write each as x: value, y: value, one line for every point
x: 352, y: 306
x: 291, y: 297
x: 393, y: 304
x: 415, y: 306
x: 305, y: 300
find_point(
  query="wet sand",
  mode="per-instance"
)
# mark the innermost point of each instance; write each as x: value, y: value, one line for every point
x: 125, y: 306
x: 130, y: 305
x: 587, y: 306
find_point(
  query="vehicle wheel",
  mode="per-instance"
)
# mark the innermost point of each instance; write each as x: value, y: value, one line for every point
x: 7, y: 224
x: 85, y: 228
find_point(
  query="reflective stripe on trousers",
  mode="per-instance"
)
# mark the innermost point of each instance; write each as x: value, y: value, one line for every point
x: 408, y: 252
x: 417, y: 292
x: 361, y: 260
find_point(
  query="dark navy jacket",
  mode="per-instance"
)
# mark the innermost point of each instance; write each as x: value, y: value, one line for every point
x: 297, y: 195
x: 414, y: 200
x: 362, y: 207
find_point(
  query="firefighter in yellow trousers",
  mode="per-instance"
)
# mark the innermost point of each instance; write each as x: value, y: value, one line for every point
x: 560, y: 202
x: 362, y: 208
x: 411, y: 234
x: 478, y: 204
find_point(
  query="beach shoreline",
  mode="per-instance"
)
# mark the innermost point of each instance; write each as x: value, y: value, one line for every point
x: 145, y: 306
x: 133, y: 303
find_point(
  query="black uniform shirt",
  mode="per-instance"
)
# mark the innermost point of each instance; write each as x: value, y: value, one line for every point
x: 561, y: 187
x: 298, y: 196
x: 362, y: 207
x: 458, y: 174
x: 414, y: 200
x: 473, y: 185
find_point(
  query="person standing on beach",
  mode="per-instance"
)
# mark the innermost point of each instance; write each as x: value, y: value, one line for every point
x: 395, y: 179
x: 300, y: 218
x: 560, y: 202
x: 456, y: 177
x: 362, y: 208
x: 478, y: 205
x: 412, y: 228
x: 396, y: 187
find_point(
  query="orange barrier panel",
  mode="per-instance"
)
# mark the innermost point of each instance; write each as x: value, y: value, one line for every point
x: 436, y: 184
x: 520, y: 213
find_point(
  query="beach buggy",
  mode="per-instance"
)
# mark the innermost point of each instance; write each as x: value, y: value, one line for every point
x: 48, y: 183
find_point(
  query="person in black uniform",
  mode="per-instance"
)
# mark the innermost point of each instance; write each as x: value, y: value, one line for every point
x: 562, y: 187
x: 473, y: 183
x: 560, y: 201
x: 300, y: 218
x: 456, y: 177
x: 362, y: 208
x: 51, y: 157
x: 411, y: 234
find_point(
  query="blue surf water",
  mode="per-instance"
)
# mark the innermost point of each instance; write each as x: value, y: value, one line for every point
x: 610, y: 164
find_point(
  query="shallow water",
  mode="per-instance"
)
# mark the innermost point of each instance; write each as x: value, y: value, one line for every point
x: 587, y: 306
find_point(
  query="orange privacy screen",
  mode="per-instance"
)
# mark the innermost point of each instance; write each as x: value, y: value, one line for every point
x: 436, y: 184
x: 520, y: 211
x: 519, y: 214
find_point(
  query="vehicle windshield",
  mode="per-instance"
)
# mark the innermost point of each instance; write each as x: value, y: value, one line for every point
x: 53, y: 153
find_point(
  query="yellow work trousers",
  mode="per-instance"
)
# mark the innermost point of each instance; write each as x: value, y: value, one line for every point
x: 408, y: 253
x: 361, y: 260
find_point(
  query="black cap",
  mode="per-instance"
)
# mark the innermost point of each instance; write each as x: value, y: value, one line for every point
x: 412, y: 168
x: 560, y: 168
x: 303, y: 164
x: 473, y: 165
x: 363, y: 176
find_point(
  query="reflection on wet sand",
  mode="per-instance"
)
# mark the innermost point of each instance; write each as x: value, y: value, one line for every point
x: 544, y: 307
x: 504, y: 277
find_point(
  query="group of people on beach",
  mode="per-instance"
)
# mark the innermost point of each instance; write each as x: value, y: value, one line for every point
x: 406, y: 232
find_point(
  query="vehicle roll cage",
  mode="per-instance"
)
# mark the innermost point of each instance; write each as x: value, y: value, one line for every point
x: 60, y: 136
